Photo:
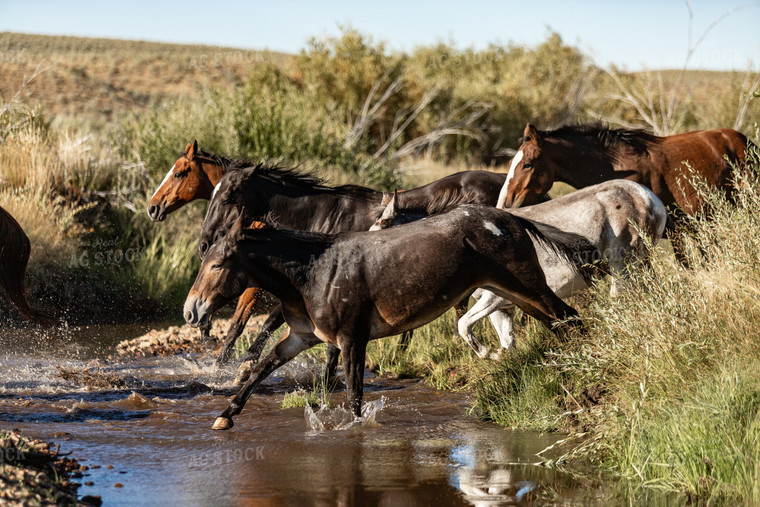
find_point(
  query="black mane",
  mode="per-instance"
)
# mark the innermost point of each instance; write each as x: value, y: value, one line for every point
x: 226, y: 163
x: 243, y: 180
x: 611, y: 139
x: 442, y: 203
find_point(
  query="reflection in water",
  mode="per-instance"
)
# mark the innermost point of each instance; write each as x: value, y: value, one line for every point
x: 153, y: 428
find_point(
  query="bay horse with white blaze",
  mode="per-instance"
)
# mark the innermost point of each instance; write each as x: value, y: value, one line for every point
x: 351, y: 288
x: 584, y: 155
x: 612, y: 216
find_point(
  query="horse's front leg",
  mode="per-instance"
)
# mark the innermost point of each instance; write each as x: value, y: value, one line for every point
x: 289, y: 347
x: 331, y: 365
x: 273, y: 322
x: 242, y: 314
x: 354, y: 350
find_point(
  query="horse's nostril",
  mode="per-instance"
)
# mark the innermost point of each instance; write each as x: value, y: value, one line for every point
x: 188, y: 316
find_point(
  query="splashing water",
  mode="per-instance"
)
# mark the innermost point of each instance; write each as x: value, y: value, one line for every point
x: 339, y: 418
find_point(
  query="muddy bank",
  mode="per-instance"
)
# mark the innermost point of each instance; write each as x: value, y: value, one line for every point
x: 184, y: 339
x: 32, y: 472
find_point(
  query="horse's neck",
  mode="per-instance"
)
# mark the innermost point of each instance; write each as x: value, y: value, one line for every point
x: 286, y: 267
x: 583, y: 167
x: 214, y: 173
x: 323, y: 210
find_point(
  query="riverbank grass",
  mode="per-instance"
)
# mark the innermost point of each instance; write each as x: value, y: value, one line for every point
x: 665, y: 388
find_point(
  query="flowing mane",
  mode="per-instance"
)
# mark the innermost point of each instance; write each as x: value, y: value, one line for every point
x: 269, y: 170
x: 637, y: 140
x: 235, y: 184
x: 440, y: 203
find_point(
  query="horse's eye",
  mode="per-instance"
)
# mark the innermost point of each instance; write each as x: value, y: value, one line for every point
x: 216, y: 267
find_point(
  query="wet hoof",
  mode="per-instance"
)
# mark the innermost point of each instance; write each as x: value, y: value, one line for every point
x: 244, y: 372
x: 222, y: 423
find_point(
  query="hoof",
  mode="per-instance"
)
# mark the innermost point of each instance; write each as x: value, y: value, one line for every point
x: 222, y: 423
x: 244, y: 372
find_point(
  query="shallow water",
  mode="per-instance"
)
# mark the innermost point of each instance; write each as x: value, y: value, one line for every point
x: 154, y: 429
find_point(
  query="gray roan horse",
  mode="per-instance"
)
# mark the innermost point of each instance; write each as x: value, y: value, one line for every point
x: 354, y: 287
x: 611, y: 216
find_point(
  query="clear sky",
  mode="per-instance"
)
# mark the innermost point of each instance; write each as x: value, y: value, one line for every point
x: 649, y: 34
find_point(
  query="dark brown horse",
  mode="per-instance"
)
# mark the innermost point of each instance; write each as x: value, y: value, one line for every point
x: 14, y: 256
x: 586, y: 155
x: 348, y: 289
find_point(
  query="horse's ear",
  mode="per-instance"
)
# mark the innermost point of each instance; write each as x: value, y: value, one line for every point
x: 191, y: 150
x: 238, y: 225
x: 393, y: 201
x: 530, y: 133
x: 187, y: 148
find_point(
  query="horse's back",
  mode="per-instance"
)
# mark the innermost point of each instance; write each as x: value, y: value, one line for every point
x: 484, y: 186
x: 706, y: 148
x: 611, y: 205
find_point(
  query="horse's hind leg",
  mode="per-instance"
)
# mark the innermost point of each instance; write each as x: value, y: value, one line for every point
x: 502, y: 322
x: 403, y: 343
x: 488, y: 303
x: 288, y: 348
x: 239, y: 319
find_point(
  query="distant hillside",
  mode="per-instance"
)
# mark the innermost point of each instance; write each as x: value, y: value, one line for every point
x: 91, y: 82
x: 98, y: 79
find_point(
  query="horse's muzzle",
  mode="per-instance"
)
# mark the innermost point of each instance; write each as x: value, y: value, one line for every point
x: 196, y: 311
x: 157, y: 213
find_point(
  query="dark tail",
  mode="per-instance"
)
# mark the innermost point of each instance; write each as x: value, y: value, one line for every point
x: 14, y: 256
x: 575, y: 249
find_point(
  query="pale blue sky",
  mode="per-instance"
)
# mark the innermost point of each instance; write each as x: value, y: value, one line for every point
x: 636, y: 34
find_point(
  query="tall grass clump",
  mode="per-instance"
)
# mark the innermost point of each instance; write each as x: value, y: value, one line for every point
x: 665, y: 387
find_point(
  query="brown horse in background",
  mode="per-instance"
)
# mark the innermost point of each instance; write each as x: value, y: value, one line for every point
x: 586, y: 155
x: 14, y: 256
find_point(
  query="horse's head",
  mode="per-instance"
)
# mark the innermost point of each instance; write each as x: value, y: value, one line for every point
x: 219, y: 216
x: 531, y: 173
x: 223, y: 275
x: 186, y: 181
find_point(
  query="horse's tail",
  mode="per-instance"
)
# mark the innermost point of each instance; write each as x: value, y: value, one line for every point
x: 578, y: 251
x: 14, y: 256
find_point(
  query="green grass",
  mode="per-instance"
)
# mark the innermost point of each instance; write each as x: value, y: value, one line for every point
x: 317, y: 396
x: 665, y: 387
